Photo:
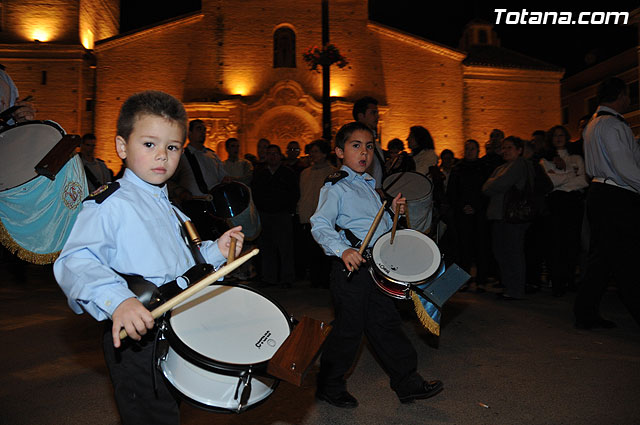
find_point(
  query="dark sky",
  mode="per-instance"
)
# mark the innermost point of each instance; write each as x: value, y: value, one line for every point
x: 572, y: 47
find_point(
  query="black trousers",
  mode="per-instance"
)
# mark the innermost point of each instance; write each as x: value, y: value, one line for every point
x: 614, y: 250
x: 566, y: 225
x: 361, y: 308
x: 130, y: 368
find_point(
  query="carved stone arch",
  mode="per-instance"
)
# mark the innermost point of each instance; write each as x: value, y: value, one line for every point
x: 284, y: 114
x: 285, y: 123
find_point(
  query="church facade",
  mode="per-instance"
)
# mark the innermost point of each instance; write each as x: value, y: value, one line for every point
x: 239, y: 68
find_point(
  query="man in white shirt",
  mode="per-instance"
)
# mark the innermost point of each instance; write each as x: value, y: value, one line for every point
x: 612, y: 158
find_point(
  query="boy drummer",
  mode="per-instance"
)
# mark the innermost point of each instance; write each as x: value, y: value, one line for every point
x: 349, y: 200
x: 130, y: 227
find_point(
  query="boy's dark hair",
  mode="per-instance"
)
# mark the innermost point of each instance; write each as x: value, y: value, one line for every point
x: 422, y: 136
x: 88, y: 136
x: 395, y: 144
x: 360, y: 107
x: 610, y: 89
x: 150, y: 102
x: 322, y: 145
x: 347, y: 130
x: 228, y: 142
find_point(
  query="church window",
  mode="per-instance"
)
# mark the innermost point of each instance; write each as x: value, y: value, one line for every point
x: 482, y: 37
x: 284, y: 48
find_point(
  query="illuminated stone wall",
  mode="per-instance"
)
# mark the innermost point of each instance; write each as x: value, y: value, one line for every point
x: 516, y: 101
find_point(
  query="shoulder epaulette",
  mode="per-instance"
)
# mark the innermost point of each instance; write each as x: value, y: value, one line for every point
x: 334, y: 178
x: 103, y: 192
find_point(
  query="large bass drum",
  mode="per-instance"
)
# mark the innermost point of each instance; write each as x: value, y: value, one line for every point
x: 37, y: 213
x: 418, y: 190
x: 220, y: 341
x: 412, y: 259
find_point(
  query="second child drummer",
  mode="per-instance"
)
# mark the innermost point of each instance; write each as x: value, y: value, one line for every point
x: 349, y: 200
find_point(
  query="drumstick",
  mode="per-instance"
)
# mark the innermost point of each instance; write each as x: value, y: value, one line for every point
x: 198, y: 286
x: 373, y: 228
x: 395, y: 224
x: 232, y: 251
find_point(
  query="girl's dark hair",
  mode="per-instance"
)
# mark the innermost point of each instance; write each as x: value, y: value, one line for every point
x: 550, y: 150
x: 422, y: 136
x: 347, y: 130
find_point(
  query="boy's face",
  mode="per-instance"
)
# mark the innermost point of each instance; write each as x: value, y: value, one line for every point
x: 153, y: 149
x: 358, y: 151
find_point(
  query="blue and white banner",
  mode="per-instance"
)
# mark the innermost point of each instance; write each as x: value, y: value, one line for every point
x: 37, y: 216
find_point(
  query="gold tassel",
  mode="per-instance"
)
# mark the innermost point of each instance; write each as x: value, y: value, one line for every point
x: 24, y: 254
x: 427, y: 322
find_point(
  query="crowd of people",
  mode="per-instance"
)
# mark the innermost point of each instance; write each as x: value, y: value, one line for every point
x: 507, y: 216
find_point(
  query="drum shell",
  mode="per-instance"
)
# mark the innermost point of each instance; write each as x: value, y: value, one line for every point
x: 233, y: 202
x: 211, y: 383
x: 418, y: 190
x: 390, y: 266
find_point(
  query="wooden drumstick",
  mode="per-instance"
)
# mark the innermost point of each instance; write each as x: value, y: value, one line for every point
x: 198, y: 286
x: 373, y: 228
x: 232, y: 250
x: 395, y: 224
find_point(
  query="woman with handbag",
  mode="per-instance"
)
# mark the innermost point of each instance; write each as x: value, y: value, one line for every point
x: 511, y: 208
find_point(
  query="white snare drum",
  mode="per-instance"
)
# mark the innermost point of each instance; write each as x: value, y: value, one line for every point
x: 220, y: 341
x: 412, y: 259
x: 418, y: 190
x: 22, y: 147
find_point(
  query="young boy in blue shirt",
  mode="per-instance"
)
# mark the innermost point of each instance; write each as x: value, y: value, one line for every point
x: 349, y: 201
x: 130, y: 227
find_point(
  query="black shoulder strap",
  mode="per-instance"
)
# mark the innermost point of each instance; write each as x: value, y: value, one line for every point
x: 334, y: 178
x: 103, y: 192
x: 601, y: 113
x: 197, y: 172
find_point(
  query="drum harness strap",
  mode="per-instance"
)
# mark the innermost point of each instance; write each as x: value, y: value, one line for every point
x: 197, y: 172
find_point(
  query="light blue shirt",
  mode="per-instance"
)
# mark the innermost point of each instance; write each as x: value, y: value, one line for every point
x: 351, y: 203
x: 134, y: 231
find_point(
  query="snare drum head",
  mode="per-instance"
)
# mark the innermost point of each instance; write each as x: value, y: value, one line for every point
x: 230, y: 324
x: 413, y: 257
x: 412, y: 185
x: 22, y: 147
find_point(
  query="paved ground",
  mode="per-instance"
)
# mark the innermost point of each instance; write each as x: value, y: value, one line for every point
x: 502, y: 362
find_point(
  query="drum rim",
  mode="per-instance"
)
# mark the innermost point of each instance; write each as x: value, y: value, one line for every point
x: 200, y: 405
x: 402, y: 282
x: 407, y: 292
x: 430, y: 192
x: 216, y: 366
x: 50, y: 123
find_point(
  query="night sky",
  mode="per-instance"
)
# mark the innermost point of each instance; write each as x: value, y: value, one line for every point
x: 573, y: 47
